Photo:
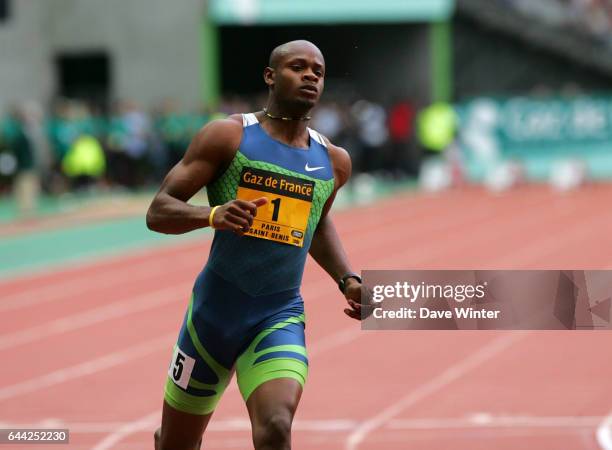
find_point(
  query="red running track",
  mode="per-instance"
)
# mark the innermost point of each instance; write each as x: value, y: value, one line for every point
x: 87, y: 348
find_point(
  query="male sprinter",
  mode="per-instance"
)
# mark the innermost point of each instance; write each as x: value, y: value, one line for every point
x: 271, y: 181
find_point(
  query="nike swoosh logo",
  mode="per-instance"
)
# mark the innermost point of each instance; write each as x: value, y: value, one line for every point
x: 311, y: 169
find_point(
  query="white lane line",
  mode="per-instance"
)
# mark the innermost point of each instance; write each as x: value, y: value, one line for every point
x: 216, y: 426
x: 435, y: 253
x: 484, y: 420
x: 72, y: 288
x: 604, y: 433
x: 144, y: 423
x: 88, y: 367
x: 335, y: 340
x: 454, y: 372
x: 550, y: 244
x: 150, y: 420
x: 229, y: 424
x: 114, y: 310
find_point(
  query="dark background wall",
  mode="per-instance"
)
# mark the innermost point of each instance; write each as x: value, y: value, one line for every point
x: 371, y: 61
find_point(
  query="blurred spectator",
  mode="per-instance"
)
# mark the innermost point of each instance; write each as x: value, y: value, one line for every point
x: 28, y: 143
x: 63, y: 129
x: 137, y: 139
x: 372, y: 133
x: 173, y: 131
x: 327, y: 120
x: 84, y: 163
x: 437, y: 125
x: 335, y: 121
x: 116, y: 156
x: 128, y: 141
x: 8, y: 162
x: 403, y: 154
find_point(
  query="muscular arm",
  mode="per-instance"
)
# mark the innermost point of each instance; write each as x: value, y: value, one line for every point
x: 327, y: 250
x: 326, y: 247
x: 210, y: 151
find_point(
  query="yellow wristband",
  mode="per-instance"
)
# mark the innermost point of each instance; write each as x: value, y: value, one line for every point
x: 211, y: 216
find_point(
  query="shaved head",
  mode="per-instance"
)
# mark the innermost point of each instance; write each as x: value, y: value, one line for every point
x: 289, y: 48
x: 295, y: 77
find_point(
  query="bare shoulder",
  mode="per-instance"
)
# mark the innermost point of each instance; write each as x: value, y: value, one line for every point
x: 341, y: 161
x: 217, y: 140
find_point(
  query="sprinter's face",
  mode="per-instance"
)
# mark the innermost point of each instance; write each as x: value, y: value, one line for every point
x: 299, y: 76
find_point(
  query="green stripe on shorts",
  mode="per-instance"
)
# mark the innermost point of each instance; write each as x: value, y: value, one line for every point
x: 251, y: 375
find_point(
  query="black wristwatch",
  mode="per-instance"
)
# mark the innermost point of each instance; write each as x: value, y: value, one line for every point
x: 342, y: 282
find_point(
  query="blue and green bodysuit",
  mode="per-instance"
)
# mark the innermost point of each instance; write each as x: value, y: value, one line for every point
x: 246, y: 312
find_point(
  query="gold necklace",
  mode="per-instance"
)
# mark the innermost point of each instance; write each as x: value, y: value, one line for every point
x: 284, y: 118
